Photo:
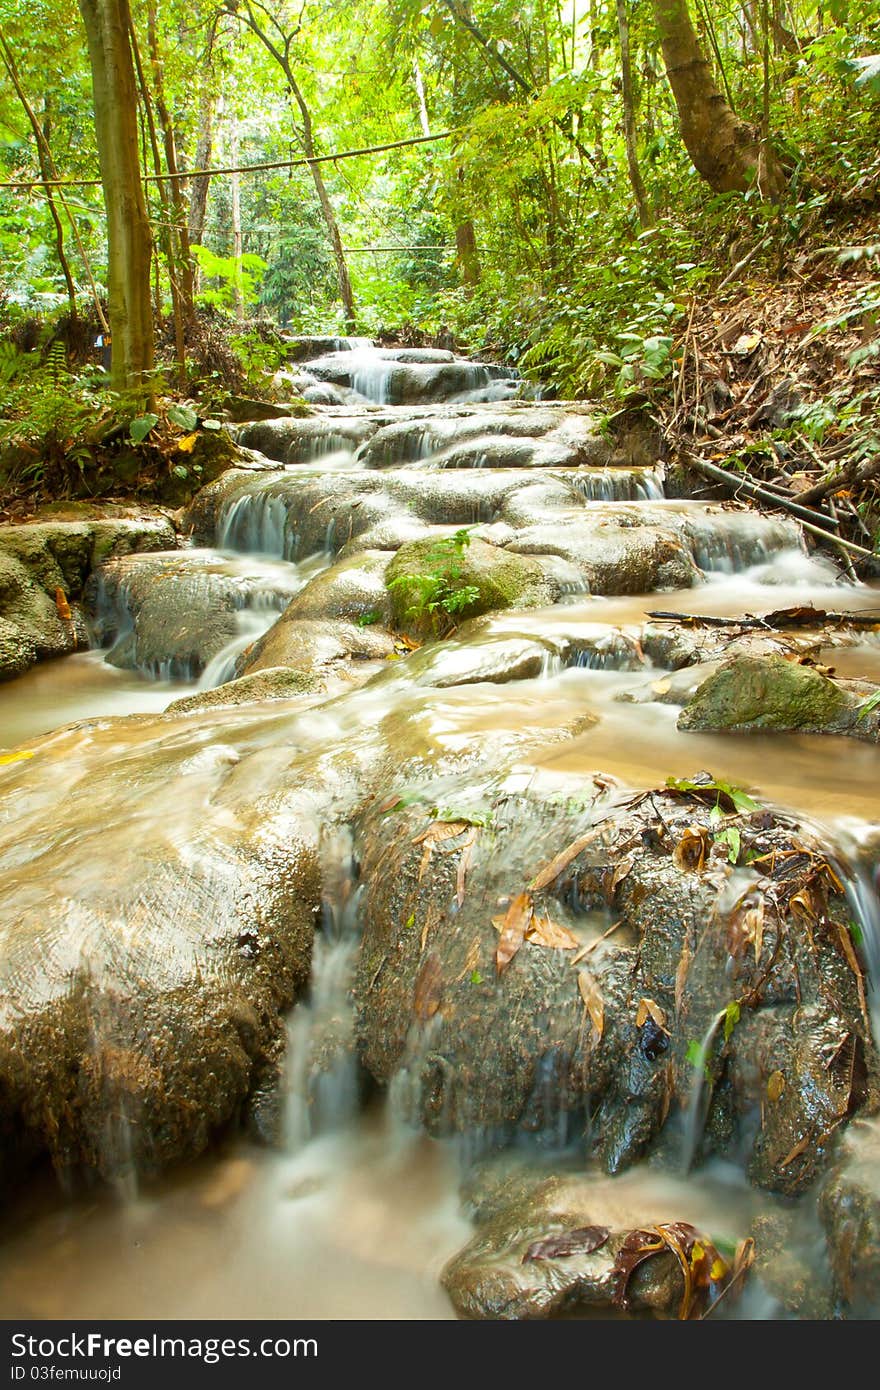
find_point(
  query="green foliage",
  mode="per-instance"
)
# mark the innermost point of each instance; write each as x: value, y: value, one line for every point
x: 439, y: 589
x: 231, y: 278
x: 740, y: 800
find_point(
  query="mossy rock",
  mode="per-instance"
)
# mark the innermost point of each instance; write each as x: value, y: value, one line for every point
x: 498, y: 578
x: 768, y: 692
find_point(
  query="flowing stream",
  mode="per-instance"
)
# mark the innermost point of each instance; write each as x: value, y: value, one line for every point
x: 356, y: 1213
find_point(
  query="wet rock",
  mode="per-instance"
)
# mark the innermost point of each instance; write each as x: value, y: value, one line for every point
x: 461, y: 581
x: 242, y: 408
x: 849, y: 1207
x: 316, y: 647
x: 168, y: 614
x: 354, y: 589
x: 492, y: 1277
x: 270, y: 683
x: 484, y: 1051
x: 39, y: 558
x: 141, y: 993
x: 789, y: 1263
x: 770, y: 692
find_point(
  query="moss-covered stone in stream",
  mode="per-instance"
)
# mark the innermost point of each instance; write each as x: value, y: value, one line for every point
x: 493, y: 578
x: 276, y: 683
x: 769, y: 692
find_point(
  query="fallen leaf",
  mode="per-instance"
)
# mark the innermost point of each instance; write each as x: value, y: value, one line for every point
x: 561, y: 861
x: 582, y: 1241
x: 796, y: 1152
x: 648, y: 1008
x: 516, y: 922
x: 620, y: 872
x: 853, y: 963
x: 18, y: 757
x: 681, y: 974
x: 428, y: 988
x: 593, y: 1001
x: 440, y: 830
x: 690, y: 852
x: 464, y: 865
x: 775, y: 1085
x: 62, y: 606
x: 188, y: 443
x: 553, y: 935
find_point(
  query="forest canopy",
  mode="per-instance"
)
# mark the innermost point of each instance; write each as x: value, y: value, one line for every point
x: 547, y: 180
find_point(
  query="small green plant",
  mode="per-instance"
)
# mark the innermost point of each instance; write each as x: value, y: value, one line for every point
x: 438, y: 592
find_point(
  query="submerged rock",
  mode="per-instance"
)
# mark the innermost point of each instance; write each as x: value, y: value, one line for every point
x: 849, y: 1206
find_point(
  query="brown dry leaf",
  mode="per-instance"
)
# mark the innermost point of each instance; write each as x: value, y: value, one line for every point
x: 775, y: 1085
x: 595, y: 1004
x: 561, y: 861
x: 747, y: 926
x: 852, y: 961
x: 582, y: 1241
x: 514, y: 926
x: 544, y: 932
x: 464, y: 864
x: 428, y: 988
x: 649, y: 1008
x: 408, y: 642
x: 803, y: 905
x: 796, y: 1152
x: 620, y: 872
x: 690, y: 852
x: 62, y: 606
x: 681, y: 974
x: 440, y: 830
x: 425, y: 859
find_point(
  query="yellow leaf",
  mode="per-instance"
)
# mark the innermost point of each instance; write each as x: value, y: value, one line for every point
x: 188, y: 443
x: 16, y: 757
x: 648, y: 1008
x: 690, y: 852
x: 775, y: 1085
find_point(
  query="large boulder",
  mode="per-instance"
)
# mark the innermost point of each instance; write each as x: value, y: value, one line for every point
x: 771, y: 692
x: 705, y: 1021
x: 44, y: 565
x: 142, y: 990
x: 438, y: 581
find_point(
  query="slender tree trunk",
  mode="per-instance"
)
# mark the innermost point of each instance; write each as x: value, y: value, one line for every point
x: 280, y: 49
x: 308, y: 143
x: 646, y: 217
x: 237, y: 242
x: 200, y: 185
x: 45, y: 162
x: 725, y: 150
x: 107, y: 24
x: 468, y: 256
x: 166, y: 233
x: 420, y: 94
x: 183, y: 258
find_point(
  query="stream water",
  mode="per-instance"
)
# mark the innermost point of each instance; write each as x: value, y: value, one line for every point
x: 356, y: 1214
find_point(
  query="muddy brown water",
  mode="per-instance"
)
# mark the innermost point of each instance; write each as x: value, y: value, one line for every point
x: 356, y: 1217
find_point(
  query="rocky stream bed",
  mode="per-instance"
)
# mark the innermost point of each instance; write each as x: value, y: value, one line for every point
x: 544, y: 801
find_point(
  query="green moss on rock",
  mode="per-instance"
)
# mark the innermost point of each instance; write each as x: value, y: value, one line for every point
x: 495, y: 579
x: 768, y: 692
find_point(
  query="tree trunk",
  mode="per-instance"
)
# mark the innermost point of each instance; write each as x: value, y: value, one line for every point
x: 237, y: 242
x: 308, y: 143
x: 468, y: 256
x: 128, y: 232
x: 725, y: 150
x: 183, y: 257
x: 646, y: 217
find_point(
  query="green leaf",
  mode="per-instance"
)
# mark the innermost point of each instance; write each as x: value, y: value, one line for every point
x: 179, y: 471
x: 211, y: 425
x: 476, y: 977
x: 141, y: 427
x: 183, y: 416
x: 732, y: 838
x: 739, y: 798
x: 731, y: 1019
x: 870, y: 704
